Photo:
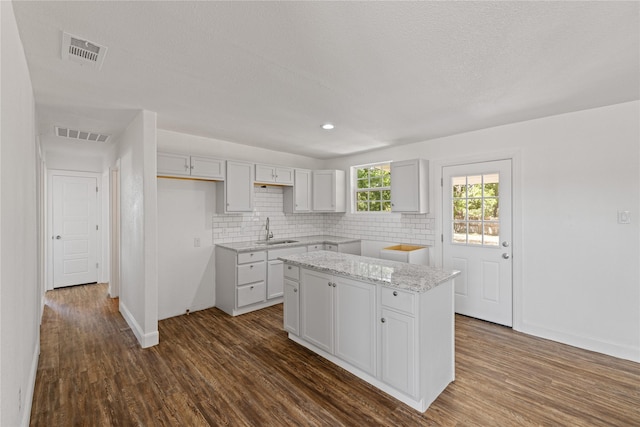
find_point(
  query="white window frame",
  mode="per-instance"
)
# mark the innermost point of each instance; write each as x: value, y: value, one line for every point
x: 355, y: 190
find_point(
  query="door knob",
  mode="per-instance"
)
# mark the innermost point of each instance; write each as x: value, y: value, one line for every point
x: 505, y: 256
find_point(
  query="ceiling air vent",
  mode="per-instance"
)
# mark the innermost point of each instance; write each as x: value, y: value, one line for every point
x: 81, y: 135
x: 82, y: 51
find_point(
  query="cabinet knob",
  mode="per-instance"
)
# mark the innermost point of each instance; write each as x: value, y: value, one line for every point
x: 250, y: 254
x: 395, y: 293
x: 383, y: 320
x: 334, y: 285
x: 295, y: 290
x: 251, y: 266
x: 329, y: 283
x: 289, y: 267
x: 251, y: 287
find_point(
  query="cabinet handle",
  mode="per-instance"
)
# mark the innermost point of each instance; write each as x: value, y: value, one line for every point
x: 250, y: 254
x: 395, y: 293
x: 334, y: 284
x: 295, y: 290
x: 251, y: 287
x: 289, y: 268
x: 329, y: 283
x: 251, y: 266
x: 383, y: 320
x: 191, y: 167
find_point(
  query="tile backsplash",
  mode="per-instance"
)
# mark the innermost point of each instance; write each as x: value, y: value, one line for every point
x: 268, y: 202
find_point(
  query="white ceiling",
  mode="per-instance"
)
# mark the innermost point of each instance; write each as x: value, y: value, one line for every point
x: 269, y: 74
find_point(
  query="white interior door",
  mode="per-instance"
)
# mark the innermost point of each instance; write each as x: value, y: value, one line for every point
x: 477, y: 238
x: 75, y: 234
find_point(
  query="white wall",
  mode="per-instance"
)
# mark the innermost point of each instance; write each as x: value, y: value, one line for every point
x: 20, y: 292
x: 67, y: 161
x: 138, y: 216
x: 576, y: 270
x: 185, y: 272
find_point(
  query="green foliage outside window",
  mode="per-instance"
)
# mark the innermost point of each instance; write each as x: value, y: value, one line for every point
x: 373, y: 188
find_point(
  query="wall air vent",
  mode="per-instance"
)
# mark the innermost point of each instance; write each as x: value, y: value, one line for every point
x: 82, y: 51
x: 81, y: 135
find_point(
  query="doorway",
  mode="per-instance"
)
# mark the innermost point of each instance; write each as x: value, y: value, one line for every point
x: 477, y: 238
x: 75, y: 232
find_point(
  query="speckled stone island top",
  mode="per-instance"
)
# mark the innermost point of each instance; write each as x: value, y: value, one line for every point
x: 413, y: 277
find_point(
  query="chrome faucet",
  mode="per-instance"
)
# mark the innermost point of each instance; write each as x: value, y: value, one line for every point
x: 269, y: 235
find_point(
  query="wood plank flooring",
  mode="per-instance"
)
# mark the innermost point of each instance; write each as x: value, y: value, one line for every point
x: 212, y: 369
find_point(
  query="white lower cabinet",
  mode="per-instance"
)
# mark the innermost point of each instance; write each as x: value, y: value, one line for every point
x: 398, y: 340
x: 275, y: 279
x: 338, y: 316
x: 291, y: 310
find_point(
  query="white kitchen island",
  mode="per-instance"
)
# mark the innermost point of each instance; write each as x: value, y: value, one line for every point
x: 389, y: 323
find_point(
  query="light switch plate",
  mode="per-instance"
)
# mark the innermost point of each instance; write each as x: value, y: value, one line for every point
x: 624, y: 217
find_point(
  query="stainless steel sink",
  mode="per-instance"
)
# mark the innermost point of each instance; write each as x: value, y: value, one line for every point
x: 274, y: 242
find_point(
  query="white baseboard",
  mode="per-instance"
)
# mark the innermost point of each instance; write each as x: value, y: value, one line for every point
x: 145, y: 340
x: 28, y: 396
x: 610, y: 349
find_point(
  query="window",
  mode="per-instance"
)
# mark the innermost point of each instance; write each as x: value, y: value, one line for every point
x: 476, y: 217
x: 373, y: 187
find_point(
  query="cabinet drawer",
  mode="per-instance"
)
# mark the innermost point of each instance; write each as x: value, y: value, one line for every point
x: 398, y: 300
x: 246, y: 257
x: 312, y: 248
x: 292, y: 272
x: 249, y: 273
x: 333, y: 248
x: 251, y: 294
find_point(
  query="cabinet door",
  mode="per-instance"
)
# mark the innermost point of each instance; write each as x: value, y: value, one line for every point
x: 291, y: 307
x: 265, y: 173
x: 207, y: 167
x: 284, y: 175
x: 324, y: 190
x: 330, y: 247
x: 275, y: 279
x: 404, y: 186
x: 316, y: 309
x: 239, y: 187
x: 398, y: 351
x: 173, y: 164
x: 302, y: 190
x: 355, y: 328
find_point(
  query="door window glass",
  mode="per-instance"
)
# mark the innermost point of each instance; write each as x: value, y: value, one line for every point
x: 476, y: 200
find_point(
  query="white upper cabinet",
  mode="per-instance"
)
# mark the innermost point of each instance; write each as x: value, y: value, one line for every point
x: 181, y: 165
x: 267, y: 174
x: 298, y: 197
x: 329, y: 191
x: 410, y: 186
x: 238, y: 188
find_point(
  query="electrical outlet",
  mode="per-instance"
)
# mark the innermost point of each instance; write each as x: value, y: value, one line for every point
x: 624, y: 217
x: 196, y: 242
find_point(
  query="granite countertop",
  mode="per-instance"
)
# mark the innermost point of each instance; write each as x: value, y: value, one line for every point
x: 401, y: 275
x: 254, y: 245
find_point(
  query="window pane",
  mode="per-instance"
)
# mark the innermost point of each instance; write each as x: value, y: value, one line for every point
x: 491, y: 233
x: 363, y: 174
x: 474, y: 209
x: 491, y: 209
x: 386, y: 194
x: 362, y: 206
x: 374, y: 206
x: 475, y: 233
x: 459, y: 186
x: 474, y: 186
x: 459, y: 232
x: 362, y: 196
x: 459, y: 209
x: 491, y: 185
x: 374, y: 195
x: 386, y: 206
x: 376, y: 181
x: 363, y: 183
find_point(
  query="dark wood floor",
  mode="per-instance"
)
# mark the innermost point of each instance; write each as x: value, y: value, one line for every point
x: 212, y: 369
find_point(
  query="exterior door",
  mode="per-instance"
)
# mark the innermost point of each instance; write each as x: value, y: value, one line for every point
x: 477, y: 238
x: 75, y: 234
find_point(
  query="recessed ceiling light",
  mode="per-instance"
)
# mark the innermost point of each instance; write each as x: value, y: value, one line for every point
x: 327, y: 126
